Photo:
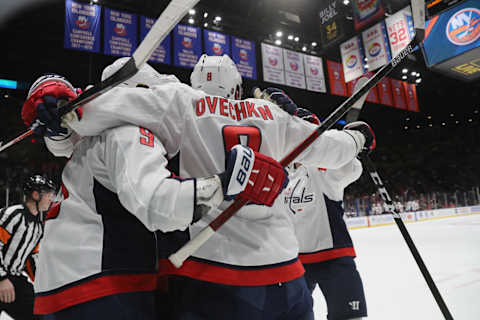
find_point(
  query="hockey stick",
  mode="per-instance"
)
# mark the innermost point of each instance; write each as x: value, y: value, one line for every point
x: 172, y: 14
x: 418, y: 10
x: 352, y: 115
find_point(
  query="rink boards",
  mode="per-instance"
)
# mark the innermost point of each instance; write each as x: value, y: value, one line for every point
x: 387, y: 219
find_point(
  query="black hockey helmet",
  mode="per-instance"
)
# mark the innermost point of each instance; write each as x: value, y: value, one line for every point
x: 38, y: 183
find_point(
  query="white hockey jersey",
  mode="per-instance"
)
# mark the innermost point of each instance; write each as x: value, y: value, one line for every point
x: 98, y: 239
x: 314, y: 198
x: 258, y: 245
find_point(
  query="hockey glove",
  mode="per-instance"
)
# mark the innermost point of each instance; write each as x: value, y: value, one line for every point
x: 367, y: 135
x: 40, y: 110
x: 307, y: 115
x: 277, y: 96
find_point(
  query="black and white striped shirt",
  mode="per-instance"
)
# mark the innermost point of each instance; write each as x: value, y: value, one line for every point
x: 20, y: 233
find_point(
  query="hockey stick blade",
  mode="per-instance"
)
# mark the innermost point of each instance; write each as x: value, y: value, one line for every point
x: 172, y: 14
x: 188, y: 249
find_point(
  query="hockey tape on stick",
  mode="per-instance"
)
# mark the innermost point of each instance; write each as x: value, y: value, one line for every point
x: 169, y: 18
x: 418, y: 5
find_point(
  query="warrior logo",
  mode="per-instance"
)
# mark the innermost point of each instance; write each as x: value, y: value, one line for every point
x: 374, y: 49
x: 217, y: 49
x: 243, y: 54
x: 463, y: 27
x: 120, y: 29
x: 82, y: 22
x: 351, y: 61
x: 187, y: 42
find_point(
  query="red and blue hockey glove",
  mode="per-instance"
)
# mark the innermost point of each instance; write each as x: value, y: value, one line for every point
x: 40, y: 110
x: 307, y: 115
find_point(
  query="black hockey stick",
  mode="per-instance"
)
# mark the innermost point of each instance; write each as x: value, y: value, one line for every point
x: 418, y: 11
x: 351, y: 116
x: 172, y: 14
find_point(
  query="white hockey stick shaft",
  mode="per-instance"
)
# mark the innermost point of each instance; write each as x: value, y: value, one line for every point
x: 169, y: 18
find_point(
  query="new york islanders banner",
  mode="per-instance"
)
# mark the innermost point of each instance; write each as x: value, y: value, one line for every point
x: 243, y: 54
x: 187, y: 46
x: 82, y: 26
x: 453, y: 32
x: 294, y: 71
x: 400, y: 30
x: 337, y: 81
x: 120, y: 33
x: 411, y: 96
x: 272, y: 61
x: 375, y: 42
x: 352, y: 58
x: 385, y: 92
x: 398, y: 92
x: 162, y: 52
x: 366, y: 12
x: 314, y: 73
x: 216, y: 43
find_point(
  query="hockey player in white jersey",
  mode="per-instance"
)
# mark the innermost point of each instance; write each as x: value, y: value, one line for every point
x: 99, y: 257
x: 201, y: 128
x: 314, y: 198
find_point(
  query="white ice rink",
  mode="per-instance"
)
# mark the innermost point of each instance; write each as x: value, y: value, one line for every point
x: 395, y: 288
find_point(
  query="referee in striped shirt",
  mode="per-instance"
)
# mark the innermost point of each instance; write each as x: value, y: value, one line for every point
x: 21, y: 229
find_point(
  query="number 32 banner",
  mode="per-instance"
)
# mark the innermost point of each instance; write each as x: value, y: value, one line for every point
x: 400, y: 30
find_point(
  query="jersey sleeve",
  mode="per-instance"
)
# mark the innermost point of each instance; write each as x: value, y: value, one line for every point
x: 161, y: 108
x: 136, y: 164
x: 336, y: 180
x: 332, y: 150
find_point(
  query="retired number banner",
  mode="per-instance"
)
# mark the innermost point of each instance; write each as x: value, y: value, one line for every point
x: 272, y: 61
x: 337, y: 81
x: 385, y: 92
x: 82, y: 26
x: 400, y: 30
x: 398, y: 92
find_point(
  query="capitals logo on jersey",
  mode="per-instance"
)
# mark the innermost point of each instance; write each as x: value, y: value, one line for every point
x: 298, y: 196
x: 463, y: 27
x: 82, y: 22
x: 120, y: 29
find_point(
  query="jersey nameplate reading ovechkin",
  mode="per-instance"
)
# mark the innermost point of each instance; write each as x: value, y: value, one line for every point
x: 236, y: 110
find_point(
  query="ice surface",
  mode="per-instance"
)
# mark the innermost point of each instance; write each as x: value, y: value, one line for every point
x: 395, y: 288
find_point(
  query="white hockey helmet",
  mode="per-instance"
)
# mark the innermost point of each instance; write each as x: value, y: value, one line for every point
x: 217, y: 75
x: 146, y: 76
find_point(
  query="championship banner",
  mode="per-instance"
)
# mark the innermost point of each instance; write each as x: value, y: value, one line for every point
x: 385, y: 92
x: 336, y: 79
x: 294, y: 71
x: 314, y: 72
x: 452, y: 33
x: 398, y: 94
x: 332, y: 22
x: 162, y: 52
x: 243, y: 54
x: 372, y: 95
x: 216, y: 43
x: 82, y: 26
x: 272, y: 61
x: 375, y: 42
x: 366, y: 11
x: 120, y: 33
x: 187, y: 46
x: 352, y: 58
x: 400, y: 30
x: 411, y: 96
